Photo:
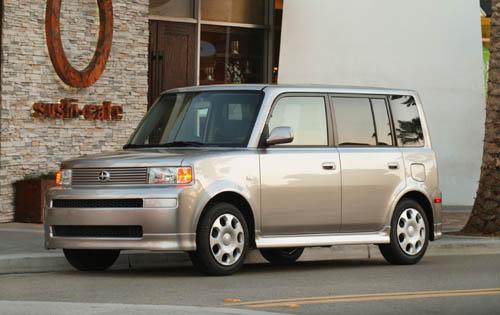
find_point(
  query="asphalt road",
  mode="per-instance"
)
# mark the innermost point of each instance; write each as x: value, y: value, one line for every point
x: 437, y: 285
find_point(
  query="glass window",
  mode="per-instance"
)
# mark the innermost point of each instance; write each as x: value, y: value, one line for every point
x: 173, y: 8
x: 236, y: 11
x: 199, y: 119
x: 406, y: 121
x: 231, y: 55
x: 354, y: 121
x: 382, y: 122
x: 305, y: 115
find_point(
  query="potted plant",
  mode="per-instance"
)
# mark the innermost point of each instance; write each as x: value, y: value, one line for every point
x: 30, y: 197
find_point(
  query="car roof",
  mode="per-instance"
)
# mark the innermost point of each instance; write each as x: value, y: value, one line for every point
x: 282, y: 88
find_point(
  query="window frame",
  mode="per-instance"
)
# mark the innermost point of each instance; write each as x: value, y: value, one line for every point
x: 269, y: 37
x: 369, y: 97
x: 328, y: 119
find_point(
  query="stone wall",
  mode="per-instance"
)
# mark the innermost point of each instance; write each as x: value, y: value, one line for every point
x: 33, y: 146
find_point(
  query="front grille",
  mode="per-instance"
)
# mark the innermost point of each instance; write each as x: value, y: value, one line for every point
x: 112, y: 231
x: 117, y: 176
x: 97, y: 203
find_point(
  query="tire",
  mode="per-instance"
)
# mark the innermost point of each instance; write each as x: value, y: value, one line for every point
x: 408, y: 241
x: 91, y: 260
x: 282, y: 256
x: 222, y: 240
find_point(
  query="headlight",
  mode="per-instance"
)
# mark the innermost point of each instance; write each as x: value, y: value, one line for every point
x: 170, y: 175
x: 63, y: 178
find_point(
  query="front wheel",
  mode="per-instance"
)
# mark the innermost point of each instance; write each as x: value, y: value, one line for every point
x: 409, y: 234
x: 282, y: 256
x: 222, y: 240
x: 91, y: 260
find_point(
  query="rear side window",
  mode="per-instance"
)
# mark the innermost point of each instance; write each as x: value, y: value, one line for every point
x: 362, y: 121
x: 406, y: 121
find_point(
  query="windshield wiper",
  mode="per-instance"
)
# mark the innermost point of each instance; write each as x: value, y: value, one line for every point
x: 173, y: 144
x: 134, y: 146
x: 182, y: 144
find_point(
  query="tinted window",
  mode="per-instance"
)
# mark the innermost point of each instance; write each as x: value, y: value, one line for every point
x: 305, y: 115
x: 224, y: 118
x: 406, y: 121
x: 382, y: 123
x: 354, y: 121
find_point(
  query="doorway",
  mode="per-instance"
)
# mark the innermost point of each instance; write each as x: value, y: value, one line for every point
x: 171, y: 57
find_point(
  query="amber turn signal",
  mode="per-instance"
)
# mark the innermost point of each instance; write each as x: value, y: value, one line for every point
x: 184, y: 175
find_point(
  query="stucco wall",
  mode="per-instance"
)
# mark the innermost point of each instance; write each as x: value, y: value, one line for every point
x: 31, y: 145
x: 430, y: 46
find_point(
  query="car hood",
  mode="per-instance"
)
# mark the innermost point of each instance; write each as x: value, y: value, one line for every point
x: 139, y: 157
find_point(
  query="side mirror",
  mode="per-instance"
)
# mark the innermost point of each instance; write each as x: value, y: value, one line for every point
x: 280, y: 135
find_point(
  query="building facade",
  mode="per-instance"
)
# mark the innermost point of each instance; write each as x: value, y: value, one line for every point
x: 156, y: 45
x: 77, y: 76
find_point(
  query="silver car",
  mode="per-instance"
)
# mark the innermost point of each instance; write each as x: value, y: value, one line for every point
x: 218, y: 170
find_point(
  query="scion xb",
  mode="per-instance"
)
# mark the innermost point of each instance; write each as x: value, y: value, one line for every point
x: 216, y: 171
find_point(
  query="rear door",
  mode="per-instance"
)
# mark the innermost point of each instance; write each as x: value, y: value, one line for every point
x: 372, y: 166
x: 300, y: 181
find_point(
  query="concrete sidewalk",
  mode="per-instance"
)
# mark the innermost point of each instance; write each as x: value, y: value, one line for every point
x: 21, y: 249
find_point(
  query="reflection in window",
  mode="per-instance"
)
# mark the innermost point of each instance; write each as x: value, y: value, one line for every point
x: 207, y: 118
x: 354, y: 121
x: 382, y: 124
x: 173, y: 8
x: 236, y: 11
x: 201, y: 121
x: 231, y: 55
x: 305, y: 115
x: 407, y: 121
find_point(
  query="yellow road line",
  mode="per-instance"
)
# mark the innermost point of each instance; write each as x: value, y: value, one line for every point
x: 367, y: 297
x: 379, y: 298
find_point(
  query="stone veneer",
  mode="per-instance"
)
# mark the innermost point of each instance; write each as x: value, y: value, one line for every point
x: 33, y: 146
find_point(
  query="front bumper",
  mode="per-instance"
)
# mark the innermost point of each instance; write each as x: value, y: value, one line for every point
x: 161, y: 226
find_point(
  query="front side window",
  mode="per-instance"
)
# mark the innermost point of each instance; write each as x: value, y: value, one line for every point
x: 407, y: 121
x: 218, y: 118
x: 306, y: 116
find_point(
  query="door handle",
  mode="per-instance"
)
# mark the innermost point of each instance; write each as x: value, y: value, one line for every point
x: 329, y: 166
x: 393, y: 165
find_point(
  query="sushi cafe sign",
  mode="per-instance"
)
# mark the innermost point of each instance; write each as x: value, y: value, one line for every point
x: 69, y: 108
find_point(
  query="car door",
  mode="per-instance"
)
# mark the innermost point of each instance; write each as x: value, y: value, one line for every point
x: 372, y: 166
x: 300, y: 181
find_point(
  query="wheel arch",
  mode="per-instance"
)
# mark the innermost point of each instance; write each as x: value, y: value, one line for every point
x: 426, y: 205
x: 238, y: 201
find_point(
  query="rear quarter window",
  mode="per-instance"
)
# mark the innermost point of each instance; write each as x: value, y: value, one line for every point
x: 407, y: 124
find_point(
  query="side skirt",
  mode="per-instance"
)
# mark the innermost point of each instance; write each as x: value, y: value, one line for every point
x: 311, y: 240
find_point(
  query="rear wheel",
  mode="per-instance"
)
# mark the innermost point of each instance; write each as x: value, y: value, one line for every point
x: 409, y: 234
x: 91, y: 260
x: 282, y: 256
x: 221, y: 240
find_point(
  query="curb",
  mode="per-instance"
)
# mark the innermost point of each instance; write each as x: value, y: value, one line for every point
x: 55, y: 261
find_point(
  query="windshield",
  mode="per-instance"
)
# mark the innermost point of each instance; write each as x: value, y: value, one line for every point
x: 216, y: 118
